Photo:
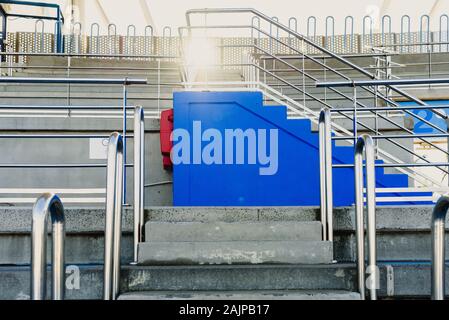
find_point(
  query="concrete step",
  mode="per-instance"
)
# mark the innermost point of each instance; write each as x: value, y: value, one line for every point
x: 403, y: 233
x: 403, y: 280
x: 84, y: 242
x: 15, y: 280
x: 231, y: 214
x: 224, y: 231
x: 235, y: 252
x: 242, y: 295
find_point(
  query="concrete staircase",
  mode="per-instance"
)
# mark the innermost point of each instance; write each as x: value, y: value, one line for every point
x: 220, y: 243
x: 403, y: 254
x: 234, y: 243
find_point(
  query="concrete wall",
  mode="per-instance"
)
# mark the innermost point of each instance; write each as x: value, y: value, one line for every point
x: 70, y: 151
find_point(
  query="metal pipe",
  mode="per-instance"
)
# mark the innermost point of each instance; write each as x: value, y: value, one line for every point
x: 95, y: 26
x: 271, y: 35
x: 114, y: 204
x: 423, y: 18
x: 148, y: 36
x: 309, y: 19
x: 57, y: 30
x: 327, y: 36
x: 397, y: 165
x: 112, y: 37
x: 381, y: 82
x: 168, y: 28
x: 124, y: 81
x: 370, y: 19
x: 438, y: 243
x: 409, y: 34
x: 351, y: 36
x: 445, y: 16
x: 257, y: 20
x: 76, y: 40
x: 86, y: 55
x: 139, y: 176
x: 41, y: 22
x: 384, y: 18
x: 392, y: 136
x: 339, y: 110
x: 130, y: 37
x: 326, y: 196
x: 365, y: 145
x: 47, y: 204
x: 292, y: 21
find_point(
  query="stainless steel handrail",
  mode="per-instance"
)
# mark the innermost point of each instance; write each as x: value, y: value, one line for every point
x: 88, y: 55
x: 356, y: 103
x: 382, y: 82
x: 113, y: 219
x: 380, y: 96
x: 364, y: 108
x: 325, y: 151
x: 139, y: 176
x: 365, y: 145
x: 47, y: 205
x: 438, y: 243
x: 124, y: 81
x: 300, y: 37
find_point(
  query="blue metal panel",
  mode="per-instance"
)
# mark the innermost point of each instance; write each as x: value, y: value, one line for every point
x: 421, y: 127
x: 296, y: 181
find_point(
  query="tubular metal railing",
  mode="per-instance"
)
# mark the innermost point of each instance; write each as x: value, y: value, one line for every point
x: 47, y: 205
x: 325, y: 144
x: 124, y: 82
x: 113, y: 219
x: 376, y: 94
x: 139, y: 176
x: 438, y: 244
x: 386, y: 37
x: 149, y: 71
x: 365, y: 145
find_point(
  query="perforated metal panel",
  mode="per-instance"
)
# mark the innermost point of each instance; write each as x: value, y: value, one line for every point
x: 141, y: 45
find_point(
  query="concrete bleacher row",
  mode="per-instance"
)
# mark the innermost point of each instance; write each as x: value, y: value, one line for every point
x: 190, y: 252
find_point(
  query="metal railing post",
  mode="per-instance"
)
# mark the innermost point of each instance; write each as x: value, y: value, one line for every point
x: 112, y: 38
x: 325, y: 151
x: 124, y: 129
x: 438, y: 260
x: 139, y: 176
x: 47, y: 204
x: 365, y: 145
x: 113, y: 218
x: 94, y: 26
x: 42, y: 36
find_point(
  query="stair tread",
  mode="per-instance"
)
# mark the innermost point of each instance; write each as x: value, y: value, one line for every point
x: 232, y: 231
x: 243, y: 295
x: 235, y: 252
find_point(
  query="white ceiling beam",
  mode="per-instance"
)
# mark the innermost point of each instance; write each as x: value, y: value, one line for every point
x: 146, y: 12
x: 103, y: 12
x: 384, y: 7
x: 435, y: 11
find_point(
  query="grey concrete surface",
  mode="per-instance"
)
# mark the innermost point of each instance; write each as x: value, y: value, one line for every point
x: 15, y: 281
x: 84, y: 248
x: 67, y: 151
x: 407, y: 280
x: 243, y: 295
x: 235, y: 252
x: 239, y: 231
x: 231, y: 214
